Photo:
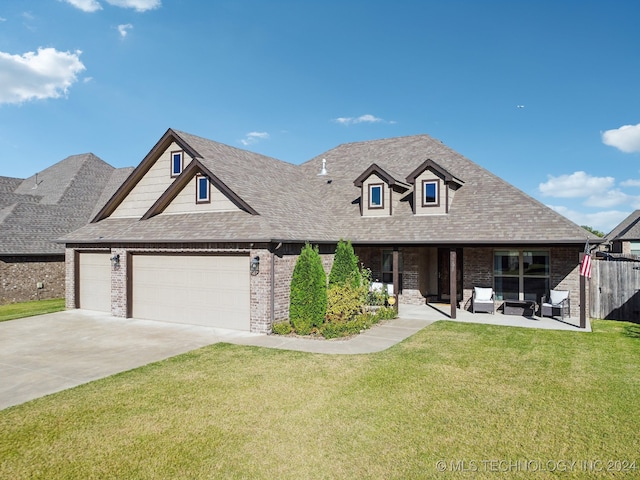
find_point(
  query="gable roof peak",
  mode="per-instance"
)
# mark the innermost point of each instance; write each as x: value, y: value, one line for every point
x: 625, y: 227
x: 429, y: 164
x: 387, y: 177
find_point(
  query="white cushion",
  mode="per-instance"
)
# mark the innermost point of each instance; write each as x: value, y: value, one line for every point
x: 376, y: 287
x: 557, y: 296
x: 483, y: 294
x: 390, y: 289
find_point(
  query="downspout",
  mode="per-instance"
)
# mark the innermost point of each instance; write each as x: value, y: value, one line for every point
x: 453, y: 281
x: 273, y: 283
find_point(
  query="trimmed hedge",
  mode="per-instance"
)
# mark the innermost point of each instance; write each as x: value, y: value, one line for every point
x: 345, y: 266
x: 308, y: 300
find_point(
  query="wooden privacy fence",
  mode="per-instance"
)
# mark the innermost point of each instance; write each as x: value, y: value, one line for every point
x: 614, y: 291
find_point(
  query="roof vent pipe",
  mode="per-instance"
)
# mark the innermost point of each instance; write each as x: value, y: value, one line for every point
x: 324, y: 167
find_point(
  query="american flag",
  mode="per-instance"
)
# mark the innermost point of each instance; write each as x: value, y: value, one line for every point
x: 585, y: 266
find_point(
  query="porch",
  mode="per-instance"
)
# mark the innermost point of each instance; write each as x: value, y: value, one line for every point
x: 442, y: 311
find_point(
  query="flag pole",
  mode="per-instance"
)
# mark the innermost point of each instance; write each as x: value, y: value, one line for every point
x: 585, y: 271
x: 583, y: 298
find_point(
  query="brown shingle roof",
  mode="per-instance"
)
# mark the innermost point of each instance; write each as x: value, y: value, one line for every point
x: 293, y: 203
x: 628, y: 229
x: 35, y: 212
x: 486, y: 209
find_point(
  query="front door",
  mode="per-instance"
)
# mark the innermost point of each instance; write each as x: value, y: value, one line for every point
x: 444, y: 286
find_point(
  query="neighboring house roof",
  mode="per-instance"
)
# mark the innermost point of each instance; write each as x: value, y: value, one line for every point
x: 628, y: 229
x: 279, y: 201
x: 34, y: 212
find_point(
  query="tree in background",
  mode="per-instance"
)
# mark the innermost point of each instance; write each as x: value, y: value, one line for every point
x: 308, y: 294
x: 593, y: 230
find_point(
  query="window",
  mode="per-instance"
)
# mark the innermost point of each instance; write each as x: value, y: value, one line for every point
x: 203, y: 189
x: 521, y: 274
x: 430, y: 196
x: 376, y: 196
x: 176, y: 163
x: 635, y: 248
x: 387, y: 267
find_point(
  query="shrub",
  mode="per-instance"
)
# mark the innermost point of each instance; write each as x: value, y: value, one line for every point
x: 376, y: 297
x: 345, y: 266
x: 282, y: 328
x: 308, y: 294
x: 344, y: 301
x: 386, y: 313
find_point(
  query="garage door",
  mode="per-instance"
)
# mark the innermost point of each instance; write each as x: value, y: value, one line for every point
x: 198, y: 290
x: 95, y: 282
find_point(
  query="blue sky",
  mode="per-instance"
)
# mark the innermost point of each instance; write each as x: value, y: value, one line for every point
x: 545, y: 94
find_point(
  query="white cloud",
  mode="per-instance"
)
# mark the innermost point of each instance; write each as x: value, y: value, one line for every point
x: 85, y: 5
x: 630, y: 183
x: 367, y: 118
x: 609, y: 199
x: 625, y: 138
x: 47, y: 73
x: 604, y: 221
x: 253, y: 137
x: 124, y: 29
x: 94, y: 5
x: 578, y: 184
x: 138, y: 5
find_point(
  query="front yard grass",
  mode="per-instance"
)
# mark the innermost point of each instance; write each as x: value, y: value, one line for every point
x: 463, y: 394
x: 27, y: 309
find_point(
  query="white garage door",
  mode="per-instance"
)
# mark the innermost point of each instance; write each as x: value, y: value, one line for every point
x: 198, y: 290
x: 95, y: 282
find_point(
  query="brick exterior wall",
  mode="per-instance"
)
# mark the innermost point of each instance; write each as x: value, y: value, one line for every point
x: 477, y: 271
x: 371, y: 258
x: 260, y: 293
x: 19, y: 278
x: 411, y: 294
x: 563, y: 273
x: 285, y: 261
x: 119, y: 290
x: 70, y: 258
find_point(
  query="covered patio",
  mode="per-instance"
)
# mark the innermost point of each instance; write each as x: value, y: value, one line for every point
x: 442, y: 311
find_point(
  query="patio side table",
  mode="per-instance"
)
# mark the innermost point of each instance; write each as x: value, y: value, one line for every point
x: 524, y: 308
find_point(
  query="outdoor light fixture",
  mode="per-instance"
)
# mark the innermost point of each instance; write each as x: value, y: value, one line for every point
x: 254, y: 266
x: 115, y: 261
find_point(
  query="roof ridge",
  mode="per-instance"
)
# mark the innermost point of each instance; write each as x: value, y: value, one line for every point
x: 624, y: 226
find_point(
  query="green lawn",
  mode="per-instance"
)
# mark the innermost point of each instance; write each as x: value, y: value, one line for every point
x: 496, y: 402
x: 26, y: 309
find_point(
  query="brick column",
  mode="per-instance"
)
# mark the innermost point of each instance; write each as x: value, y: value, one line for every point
x: 70, y: 259
x: 260, y: 292
x: 119, y: 291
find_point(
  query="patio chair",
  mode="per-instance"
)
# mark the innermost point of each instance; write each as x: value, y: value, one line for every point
x: 557, y: 303
x: 482, y: 300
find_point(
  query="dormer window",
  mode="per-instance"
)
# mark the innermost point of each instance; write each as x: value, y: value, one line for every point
x: 177, y: 163
x: 203, y: 189
x: 376, y: 195
x: 430, y: 196
x: 377, y: 189
x: 434, y: 189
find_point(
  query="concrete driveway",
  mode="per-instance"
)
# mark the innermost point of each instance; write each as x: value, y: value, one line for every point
x: 48, y: 353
